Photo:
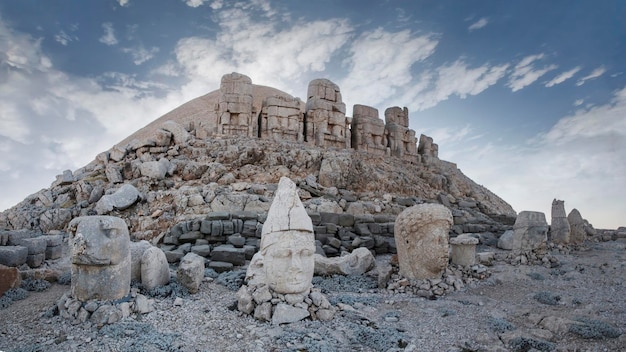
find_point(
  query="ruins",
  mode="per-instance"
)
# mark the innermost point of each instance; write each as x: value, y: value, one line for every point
x: 321, y: 121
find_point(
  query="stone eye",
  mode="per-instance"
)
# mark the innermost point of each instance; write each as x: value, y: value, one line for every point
x: 282, y: 253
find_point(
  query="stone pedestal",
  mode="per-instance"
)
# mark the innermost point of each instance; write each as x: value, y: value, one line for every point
x: 463, y: 250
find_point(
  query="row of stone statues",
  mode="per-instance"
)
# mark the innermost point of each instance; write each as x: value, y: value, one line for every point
x: 321, y: 121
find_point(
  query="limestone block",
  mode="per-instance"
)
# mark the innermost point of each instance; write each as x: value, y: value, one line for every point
x: 35, y: 260
x: 506, y: 240
x: 530, y: 231
x: 54, y: 252
x: 191, y: 272
x: 421, y: 234
x: 136, y: 253
x: 155, y: 270
x: 154, y: 169
x: 358, y: 262
x: 35, y: 245
x: 463, y: 250
x: 229, y: 254
x: 100, y: 256
x: 577, y: 227
x: 203, y: 250
x: 13, y: 255
x: 113, y: 174
x: 53, y: 240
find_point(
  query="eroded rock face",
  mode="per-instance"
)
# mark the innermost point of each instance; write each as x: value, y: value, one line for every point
x: 287, y: 242
x: 100, y: 256
x: 421, y: 234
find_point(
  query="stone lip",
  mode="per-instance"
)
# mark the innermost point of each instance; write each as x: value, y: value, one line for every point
x: 463, y: 240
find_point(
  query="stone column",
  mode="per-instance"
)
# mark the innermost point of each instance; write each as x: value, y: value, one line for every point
x: 559, y: 226
x: 463, y: 250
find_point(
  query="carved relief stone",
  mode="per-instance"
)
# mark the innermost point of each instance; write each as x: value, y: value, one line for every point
x: 282, y: 119
x: 235, y: 115
x: 402, y: 140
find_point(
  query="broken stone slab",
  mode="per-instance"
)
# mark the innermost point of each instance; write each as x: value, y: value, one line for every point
x: 229, y: 254
x: 54, y: 252
x: 191, y: 272
x: 179, y: 133
x: 13, y: 255
x: 36, y: 260
x: 284, y: 313
x: 559, y: 226
x: 577, y: 227
x: 530, y: 231
x: 506, y: 240
x: 35, y: 245
x: 221, y: 267
x: 358, y: 262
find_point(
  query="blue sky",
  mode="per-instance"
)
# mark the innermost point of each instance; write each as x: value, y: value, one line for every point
x: 527, y: 97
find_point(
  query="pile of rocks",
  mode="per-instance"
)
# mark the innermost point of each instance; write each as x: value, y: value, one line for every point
x: 266, y: 305
x: 99, y: 313
x: 454, y: 278
x: 26, y: 247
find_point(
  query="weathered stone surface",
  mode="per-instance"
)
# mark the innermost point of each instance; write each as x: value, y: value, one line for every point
x: 35, y: 260
x: 100, y: 256
x: 123, y: 198
x: 229, y: 254
x: 463, y: 250
x: 358, y: 262
x: 506, y: 240
x: 13, y: 255
x: 106, y: 314
x: 179, y: 134
x: 287, y: 242
x: 35, y: 245
x: 577, y: 227
x: 154, y: 169
x: 155, y: 270
x: 136, y: 253
x: 530, y: 231
x: 53, y: 240
x: 244, y: 300
x: 9, y: 278
x: 191, y: 272
x: 559, y: 226
x: 54, y: 252
x: 421, y: 234
x: 284, y: 313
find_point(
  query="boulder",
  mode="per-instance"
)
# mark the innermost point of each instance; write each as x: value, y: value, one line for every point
x: 136, y: 253
x: 421, y: 234
x: 358, y: 262
x: 179, y: 133
x: 154, y: 169
x: 284, y: 313
x: 9, y: 278
x: 578, y: 234
x: 122, y: 199
x: 155, y: 270
x: 191, y: 272
x: 506, y: 240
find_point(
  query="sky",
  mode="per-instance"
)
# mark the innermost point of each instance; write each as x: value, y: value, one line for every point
x: 527, y: 97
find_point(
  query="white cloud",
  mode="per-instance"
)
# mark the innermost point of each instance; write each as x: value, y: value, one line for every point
x: 195, y: 3
x: 460, y: 80
x: 217, y: 4
x: 478, y: 24
x: 108, y: 37
x: 525, y: 74
x: 579, y: 102
x: 141, y: 54
x: 383, y: 60
x: 581, y: 159
x: 594, y: 74
x: 563, y: 77
x: 123, y: 2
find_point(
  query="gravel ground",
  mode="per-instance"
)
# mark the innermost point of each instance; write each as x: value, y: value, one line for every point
x: 577, y: 306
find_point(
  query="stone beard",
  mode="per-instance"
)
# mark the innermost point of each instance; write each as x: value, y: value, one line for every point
x: 288, y: 261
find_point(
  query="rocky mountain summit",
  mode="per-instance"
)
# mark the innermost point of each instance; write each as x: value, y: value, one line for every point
x: 226, y: 151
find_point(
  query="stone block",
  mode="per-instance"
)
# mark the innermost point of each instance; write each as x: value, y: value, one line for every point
x: 346, y: 220
x: 220, y: 267
x: 316, y: 218
x: 249, y: 228
x: 174, y: 256
x: 155, y: 270
x: 136, y: 252
x: 190, y: 272
x: 332, y: 218
x: 237, y: 240
x: 362, y: 229
x: 190, y: 237
x: 54, y: 252
x: 217, y: 229
x: 218, y: 215
x: 229, y: 254
x: 244, y: 215
x: 13, y: 255
x: 35, y: 245
x: 228, y: 228
x: 205, y: 227
x: 53, y: 240
x: 202, y: 250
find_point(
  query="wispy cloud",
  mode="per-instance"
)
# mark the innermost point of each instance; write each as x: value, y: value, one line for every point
x: 594, y: 74
x: 579, y: 102
x: 141, y: 54
x: 195, y: 3
x: 525, y: 74
x: 64, y: 38
x: 123, y: 3
x: 478, y: 24
x: 108, y: 37
x: 563, y: 77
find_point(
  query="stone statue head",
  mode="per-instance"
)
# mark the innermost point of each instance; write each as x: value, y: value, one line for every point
x: 288, y: 261
x: 99, y: 240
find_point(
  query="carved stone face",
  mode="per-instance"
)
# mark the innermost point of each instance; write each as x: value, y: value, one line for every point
x: 288, y: 262
x: 99, y: 240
